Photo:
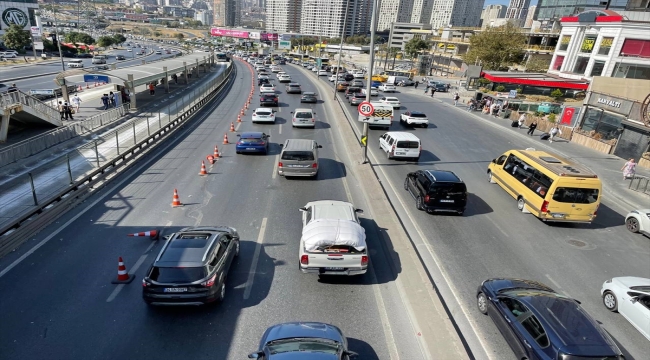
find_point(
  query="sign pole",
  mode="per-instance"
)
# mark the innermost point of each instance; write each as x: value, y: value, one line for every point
x: 373, y: 26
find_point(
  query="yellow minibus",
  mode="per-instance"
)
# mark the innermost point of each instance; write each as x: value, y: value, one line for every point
x: 548, y: 186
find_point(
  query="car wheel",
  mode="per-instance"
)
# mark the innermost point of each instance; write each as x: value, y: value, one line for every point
x: 609, y: 300
x: 482, y: 303
x: 521, y: 203
x: 237, y: 152
x: 632, y: 224
x: 222, y: 291
x: 418, y: 203
x: 490, y: 180
x: 425, y: 125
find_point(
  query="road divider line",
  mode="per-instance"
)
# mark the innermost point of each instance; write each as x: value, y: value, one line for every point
x: 256, y: 256
x: 557, y: 286
x: 280, y: 129
x: 275, y: 166
x: 135, y: 267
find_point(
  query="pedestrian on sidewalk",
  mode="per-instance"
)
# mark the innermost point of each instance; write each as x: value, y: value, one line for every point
x: 426, y: 89
x: 532, y: 128
x: 111, y: 99
x: 68, y: 111
x: 61, y: 111
x: 629, y: 169
x: 416, y: 84
x: 76, y: 102
x: 522, y: 120
x: 433, y: 91
x: 494, y: 109
x: 554, y: 131
x: 105, y: 101
x: 456, y: 97
x: 152, y: 89
x: 12, y: 88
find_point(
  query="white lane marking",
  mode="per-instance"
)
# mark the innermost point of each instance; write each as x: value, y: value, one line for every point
x: 497, y: 226
x: 280, y: 129
x: 557, y: 286
x: 275, y: 167
x: 256, y: 256
x: 237, y: 127
x: 135, y: 267
x: 153, y: 243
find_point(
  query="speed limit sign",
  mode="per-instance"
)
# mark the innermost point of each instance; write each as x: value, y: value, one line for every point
x: 366, y: 108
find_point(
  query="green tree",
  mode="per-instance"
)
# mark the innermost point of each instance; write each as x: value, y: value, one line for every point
x: 77, y: 37
x: 414, y: 46
x: 157, y: 34
x: 118, y: 38
x: 556, y: 94
x: 105, y: 41
x: 138, y: 10
x: 537, y: 64
x: 500, y: 88
x: 496, y: 48
x: 179, y: 36
x: 16, y: 38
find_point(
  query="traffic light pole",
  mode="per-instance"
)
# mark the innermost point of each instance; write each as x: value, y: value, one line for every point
x: 373, y: 27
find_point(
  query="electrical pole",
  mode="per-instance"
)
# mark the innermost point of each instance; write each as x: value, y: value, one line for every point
x: 373, y: 29
x: 338, y: 68
x: 58, y: 39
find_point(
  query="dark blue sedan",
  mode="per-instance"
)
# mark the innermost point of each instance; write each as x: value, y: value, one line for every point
x: 303, y: 340
x: 252, y: 142
x: 375, y: 84
x: 539, y: 323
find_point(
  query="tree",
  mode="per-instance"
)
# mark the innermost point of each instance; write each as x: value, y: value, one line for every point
x: 556, y: 94
x: 537, y: 65
x: 179, y: 36
x: 157, y: 34
x: 414, y: 46
x: 16, y: 38
x: 77, y: 37
x: 496, y: 48
x: 118, y: 38
x: 105, y: 41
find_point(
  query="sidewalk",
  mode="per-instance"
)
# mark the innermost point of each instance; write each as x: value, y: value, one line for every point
x: 607, y: 166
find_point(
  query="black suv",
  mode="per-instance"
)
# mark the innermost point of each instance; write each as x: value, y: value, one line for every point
x: 437, y: 190
x: 192, y: 267
x: 269, y: 99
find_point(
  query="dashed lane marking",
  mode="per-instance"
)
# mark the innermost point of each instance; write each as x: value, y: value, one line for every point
x: 275, y: 167
x: 256, y: 256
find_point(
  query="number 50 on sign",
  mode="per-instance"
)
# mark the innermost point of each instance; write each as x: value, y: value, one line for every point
x: 366, y: 108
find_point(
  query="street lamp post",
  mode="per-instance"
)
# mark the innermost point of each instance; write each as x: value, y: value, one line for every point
x: 338, y: 68
x: 58, y: 39
x: 373, y: 30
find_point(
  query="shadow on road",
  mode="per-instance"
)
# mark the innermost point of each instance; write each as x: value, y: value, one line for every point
x: 365, y: 351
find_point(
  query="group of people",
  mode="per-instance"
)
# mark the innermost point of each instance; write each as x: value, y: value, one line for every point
x: 111, y: 100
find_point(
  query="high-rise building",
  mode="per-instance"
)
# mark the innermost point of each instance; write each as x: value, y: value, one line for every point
x: 518, y: 10
x: 227, y: 12
x: 403, y: 11
x: 491, y: 13
x: 283, y: 15
x: 530, y: 17
x: 553, y: 10
x: 456, y: 13
x: 204, y: 16
x: 326, y: 17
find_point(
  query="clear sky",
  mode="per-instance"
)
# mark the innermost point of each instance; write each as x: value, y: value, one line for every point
x: 505, y: 2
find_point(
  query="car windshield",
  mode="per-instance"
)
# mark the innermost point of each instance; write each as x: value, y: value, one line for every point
x: 416, y: 115
x: 447, y: 189
x: 263, y: 113
x: 576, y: 195
x: 408, y: 145
x: 176, y: 274
x: 303, y: 115
x: 304, y: 345
x: 298, y: 155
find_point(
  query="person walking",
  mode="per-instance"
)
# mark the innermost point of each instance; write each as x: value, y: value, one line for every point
x: 554, y: 131
x: 68, y: 111
x: 456, y: 97
x: 532, y: 128
x: 111, y: 99
x: 433, y: 91
x: 629, y: 169
x: 426, y: 89
x: 105, y: 101
x: 12, y: 88
x: 152, y: 89
x: 522, y: 120
x: 61, y: 110
x: 416, y: 84
x: 76, y: 102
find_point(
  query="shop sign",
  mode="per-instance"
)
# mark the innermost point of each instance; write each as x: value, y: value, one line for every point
x: 16, y: 16
x: 611, y: 103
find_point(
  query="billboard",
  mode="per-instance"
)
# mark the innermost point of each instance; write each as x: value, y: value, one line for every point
x: 284, y: 44
x: 254, y: 35
x: 229, y: 33
x: 269, y: 37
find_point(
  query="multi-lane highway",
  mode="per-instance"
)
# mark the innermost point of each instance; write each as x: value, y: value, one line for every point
x: 63, y: 306
x: 494, y: 239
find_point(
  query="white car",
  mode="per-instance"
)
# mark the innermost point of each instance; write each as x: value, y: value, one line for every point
x: 387, y: 88
x: 262, y: 74
x: 322, y: 73
x: 263, y: 115
x: 267, y: 88
x: 129, y: 50
x: 630, y: 296
x: 276, y: 69
x: 638, y: 221
x: 391, y: 100
x: 374, y: 91
x: 315, y: 69
x: 284, y: 78
x: 358, y: 74
x: 332, y: 78
x: 7, y: 55
x: 158, y: 52
x: 414, y: 118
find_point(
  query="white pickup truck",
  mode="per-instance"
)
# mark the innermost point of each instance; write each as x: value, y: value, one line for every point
x: 332, y: 242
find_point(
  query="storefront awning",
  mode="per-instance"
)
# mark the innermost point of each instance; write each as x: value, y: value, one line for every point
x: 535, y: 79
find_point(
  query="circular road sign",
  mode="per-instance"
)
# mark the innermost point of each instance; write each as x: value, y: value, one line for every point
x: 366, y: 108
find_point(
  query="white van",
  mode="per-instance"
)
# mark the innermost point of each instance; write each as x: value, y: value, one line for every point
x: 99, y: 59
x: 399, y: 144
x: 75, y: 63
x: 394, y: 80
x: 382, y: 116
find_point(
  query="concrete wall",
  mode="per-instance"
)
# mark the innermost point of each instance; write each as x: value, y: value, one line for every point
x: 634, y: 89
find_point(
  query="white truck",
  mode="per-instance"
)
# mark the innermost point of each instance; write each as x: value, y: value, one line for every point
x: 332, y: 242
x: 382, y: 115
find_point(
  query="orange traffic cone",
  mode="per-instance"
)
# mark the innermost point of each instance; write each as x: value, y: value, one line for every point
x: 79, y: 88
x: 232, y: 127
x: 152, y: 234
x: 242, y: 112
x: 175, y: 200
x: 216, y: 152
x: 225, y: 139
x: 87, y: 87
x: 210, y: 159
x: 246, y: 105
x: 203, y: 170
x: 123, y: 276
x: 238, y: 118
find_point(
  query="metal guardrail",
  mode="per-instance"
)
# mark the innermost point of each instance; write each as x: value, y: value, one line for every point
x: 54, y: 137
x: 640, y: 183
x: 19, y: 97
x: 34, y: 200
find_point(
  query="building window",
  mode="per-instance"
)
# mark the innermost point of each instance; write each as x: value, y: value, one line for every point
x: 564, y: 42
x: 636, y: 48
x: 605, y: 126
x: 631, y: 71
x: 581, y: 65
x: 597, y: 69
x: 605, y: 45
x: 557, y: 65
x: 588, y: 44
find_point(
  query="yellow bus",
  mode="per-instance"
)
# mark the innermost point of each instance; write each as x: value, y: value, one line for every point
x: 548, y: 186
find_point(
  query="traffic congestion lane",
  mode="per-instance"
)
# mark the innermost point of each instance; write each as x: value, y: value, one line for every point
x: 499, y: 240
x: 240, y: 191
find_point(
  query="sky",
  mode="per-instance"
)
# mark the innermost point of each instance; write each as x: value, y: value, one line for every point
x: 505, y: 2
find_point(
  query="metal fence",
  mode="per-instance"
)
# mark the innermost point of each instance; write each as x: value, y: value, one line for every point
x: 641, y: 184
x: 23, y: 194
x: 19, y: 97
x: 36, y: 144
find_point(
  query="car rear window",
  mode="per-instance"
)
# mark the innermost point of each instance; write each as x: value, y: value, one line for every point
x: 177, y: 274
x: 303, y: 115
x: 447, y: 189
x: 298, y: 155
x: 252, y: 140
x: 575, y: 195
x: 408, y: 145
x: 418, y: 115
x: 263, y: 113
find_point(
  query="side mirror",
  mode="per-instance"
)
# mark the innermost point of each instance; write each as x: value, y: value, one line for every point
x: 238, y: 135
x: 167, y: 237
x: 351, y: 353
x: 255, y: 355
x: 494, y: 161
x: 313, y: 112
x: 320, y: 146
x: 291, y: 112
x: 303, y: 209
x: 281, y: 145
x: 360, y: 211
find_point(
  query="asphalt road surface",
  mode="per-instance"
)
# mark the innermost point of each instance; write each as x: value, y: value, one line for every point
x: 494, y: 239
x: 61, y: 304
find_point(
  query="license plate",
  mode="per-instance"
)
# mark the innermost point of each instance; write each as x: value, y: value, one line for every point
x: 400, y: 153
x: 250, y: 148
x: 558, y: 216
x: 334, y: 268
x: 175, y: 290
x: 447, y: 201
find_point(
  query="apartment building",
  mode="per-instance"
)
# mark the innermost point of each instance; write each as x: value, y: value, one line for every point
x: 518, y: 10
x: 326, y: 17
x: 283, y: 15
x: 403, y: 11
x: 227, y: 12
x: 456, y: 13
x: 491, y: 13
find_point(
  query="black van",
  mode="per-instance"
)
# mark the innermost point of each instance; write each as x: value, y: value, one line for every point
x: 437, y: 190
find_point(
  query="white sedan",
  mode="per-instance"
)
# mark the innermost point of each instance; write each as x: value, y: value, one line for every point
x: 322, y: 72
x: 332, y: 78
x: 630, y: 296
x: 374, y: 91
x: 262, y: 74
x: 638, y: 221
x: 315, y: 69
x: 284, y: 78
x: 388, y: 88
x: 267, y: 88
x: 263, y: 115
x: 391, y: 100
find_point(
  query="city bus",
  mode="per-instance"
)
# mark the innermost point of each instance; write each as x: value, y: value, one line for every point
x: 548, y: 186
x: 222, y: 57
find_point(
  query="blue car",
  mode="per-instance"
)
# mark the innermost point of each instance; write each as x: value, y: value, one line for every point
x: 539, y: 323
x: 376, y: 84
x: 252, y: 142
x: 303, y: 340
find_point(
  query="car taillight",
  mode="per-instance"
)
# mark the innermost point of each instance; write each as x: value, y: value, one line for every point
x: 364, y: 260
x: 145, y: 283
x: 262, y: 143
x: 304, y: 260
x: 426, y: 198
x: 280, y: 164
x: 313, y: 120
x: 276, y: 99
x: 210, y: 281
x: 545, y: 206
x: 314, y: 165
